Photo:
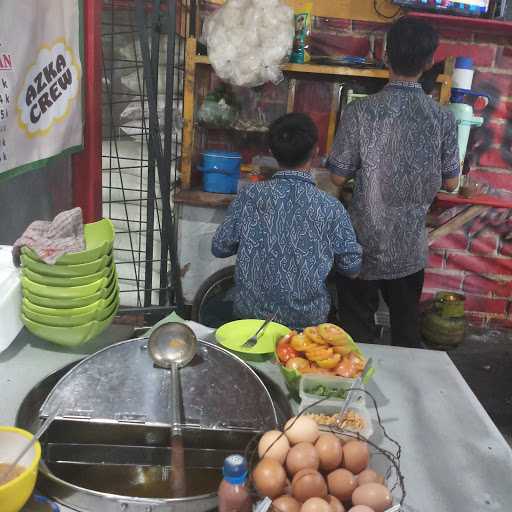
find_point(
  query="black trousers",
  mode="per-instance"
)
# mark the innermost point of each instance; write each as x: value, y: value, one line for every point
x: 358, y: 301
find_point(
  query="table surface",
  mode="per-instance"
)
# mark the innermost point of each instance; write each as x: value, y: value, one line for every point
x: 454, y: 458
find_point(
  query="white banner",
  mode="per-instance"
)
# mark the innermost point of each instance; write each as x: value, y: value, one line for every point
x: 40, y: 82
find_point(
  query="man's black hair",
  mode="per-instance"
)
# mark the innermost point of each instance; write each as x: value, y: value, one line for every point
x: 411, y: 45
x: 292, y: 139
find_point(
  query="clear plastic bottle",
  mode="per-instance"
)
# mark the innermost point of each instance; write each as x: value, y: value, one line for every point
x: 233, y: 492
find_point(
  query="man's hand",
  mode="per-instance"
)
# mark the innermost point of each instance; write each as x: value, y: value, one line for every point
x: 339, y: 181
x: 451, y: 184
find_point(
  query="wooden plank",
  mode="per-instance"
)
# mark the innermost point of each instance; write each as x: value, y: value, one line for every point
x: 292, y: 85
x: 188, y: 112
x: 361, y: 10
x: 320, y: 69
x: 201, y: 198
x: 446, y: 85
x: 455, y: 223
x: 333, y: 114
x: 480, y: 199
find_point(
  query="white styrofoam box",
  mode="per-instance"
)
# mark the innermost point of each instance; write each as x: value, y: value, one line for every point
x: 10, y: 298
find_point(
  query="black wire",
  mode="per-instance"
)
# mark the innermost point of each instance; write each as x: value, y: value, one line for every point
x: 376, y: 9
x: 251, y: 451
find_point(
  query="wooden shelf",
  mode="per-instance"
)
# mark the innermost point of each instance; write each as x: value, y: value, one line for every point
x: 473, y: 24
x: 320, y: 69
x: 480, y: 199
x: 193, y: 61
x: 197, y: 197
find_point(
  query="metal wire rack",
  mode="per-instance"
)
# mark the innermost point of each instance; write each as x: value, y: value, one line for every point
x: 143, y: 43
x: 390, y: 454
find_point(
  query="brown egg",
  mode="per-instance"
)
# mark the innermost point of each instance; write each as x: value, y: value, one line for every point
x: 341, y: 484
x: 369, y: 476
x: 361, y: 508
x: 315, y: 505
x: 335, y: 504
x: 302, y: 472
x: 330, y: 452
x: 302, y: 456
x: 269, y: 478
x: 301, y: 430
x: 356, y: 456
x: 274, y: 445
x: 308, y: 484
x: 285, y: 504
x: 375, y: 496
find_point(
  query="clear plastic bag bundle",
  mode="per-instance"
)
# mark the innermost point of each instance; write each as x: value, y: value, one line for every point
x: 248, y: 40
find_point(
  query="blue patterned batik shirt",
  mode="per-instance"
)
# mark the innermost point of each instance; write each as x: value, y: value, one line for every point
x: 398, y: 145
x: 287, y: 235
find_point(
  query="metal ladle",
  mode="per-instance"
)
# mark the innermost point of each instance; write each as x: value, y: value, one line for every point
x: 171, y: 346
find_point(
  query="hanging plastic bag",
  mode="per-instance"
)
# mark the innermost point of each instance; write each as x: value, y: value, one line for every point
x: 248, y: 40
x: 301, y: 40
x: 219, y: 108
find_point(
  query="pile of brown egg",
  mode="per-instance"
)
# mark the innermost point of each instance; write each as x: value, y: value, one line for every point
x: 305, y: 470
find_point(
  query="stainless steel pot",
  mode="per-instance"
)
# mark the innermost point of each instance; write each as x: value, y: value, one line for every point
x: 109, y: 448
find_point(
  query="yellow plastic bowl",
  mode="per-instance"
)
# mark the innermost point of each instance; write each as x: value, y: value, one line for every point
x: 15, y: 493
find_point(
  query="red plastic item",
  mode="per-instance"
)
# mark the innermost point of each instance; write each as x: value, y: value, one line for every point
x: 485, y: 25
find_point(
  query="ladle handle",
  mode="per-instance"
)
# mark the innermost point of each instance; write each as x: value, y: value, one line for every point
x: 175, y: 401
x: 178, y: 478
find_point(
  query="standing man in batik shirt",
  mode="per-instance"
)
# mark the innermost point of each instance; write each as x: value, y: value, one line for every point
x: 287, y: 235
x: 400, y: 146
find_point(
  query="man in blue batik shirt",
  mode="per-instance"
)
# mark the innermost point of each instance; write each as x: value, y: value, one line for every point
x: 400, y: 146
x: 287, y: 235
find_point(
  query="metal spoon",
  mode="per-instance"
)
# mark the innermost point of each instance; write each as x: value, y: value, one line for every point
x: 42, y: 429
x: 172, y: 346
x: 356, y: 384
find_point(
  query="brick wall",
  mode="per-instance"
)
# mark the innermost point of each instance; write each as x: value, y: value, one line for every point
x: 477, y: 259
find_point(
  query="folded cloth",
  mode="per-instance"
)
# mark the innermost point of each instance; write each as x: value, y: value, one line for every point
x: 51, y: 240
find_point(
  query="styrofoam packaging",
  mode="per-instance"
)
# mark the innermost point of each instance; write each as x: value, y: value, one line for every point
x: 10, y: 299
x: 330, y: 408
x: 310, y: 381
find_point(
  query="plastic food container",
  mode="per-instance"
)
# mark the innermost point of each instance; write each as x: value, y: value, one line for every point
x: 311, y: 382
x: 294, y: 378
x: 10, y: 299
x: 329, y: 408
